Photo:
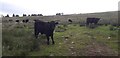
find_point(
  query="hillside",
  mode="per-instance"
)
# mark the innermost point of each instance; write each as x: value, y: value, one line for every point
x: 106, y: 17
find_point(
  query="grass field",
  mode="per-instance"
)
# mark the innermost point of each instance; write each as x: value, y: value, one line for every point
x: 73, y: 40
x: 70, y: 40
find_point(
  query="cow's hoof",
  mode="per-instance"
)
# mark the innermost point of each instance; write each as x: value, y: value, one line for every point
x: 53, y: 42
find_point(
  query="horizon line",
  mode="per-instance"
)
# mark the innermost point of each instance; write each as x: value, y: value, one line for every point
x: 61, y: 12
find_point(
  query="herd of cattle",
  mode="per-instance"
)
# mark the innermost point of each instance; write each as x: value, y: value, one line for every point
x: 88, y: 20
x: 18, y: 21
x: 47, y: 28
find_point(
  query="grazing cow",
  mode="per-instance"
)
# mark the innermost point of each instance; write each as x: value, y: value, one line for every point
x: 40, y: 15
x: 92, y: 20
x: 13, y: 15
x: 10, y: 20
x: 17, y: 21
x: 34, y: 15
x: 46, y: 28
x: 25, y: 21
x: 24, y: 15
x: 70, y: 20
x: 7, y: 15
x: 17, y: 15
x: 115, y: 25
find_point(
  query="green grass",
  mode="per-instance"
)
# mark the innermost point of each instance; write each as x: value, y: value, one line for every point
x: 71, y: 42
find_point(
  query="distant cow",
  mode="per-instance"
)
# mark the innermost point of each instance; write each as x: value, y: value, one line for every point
x: 70, y: 20
x: 17, y: 15
x: 24, y: 15
x: 25, y: 21
x: 7, y: 15
x: 116, y: 25
x: 92, y: 20
x: 17, y: 21
x: 46, y: 28
x: 10, y: 20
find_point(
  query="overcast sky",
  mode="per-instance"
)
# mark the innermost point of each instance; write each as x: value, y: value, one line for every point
x: 51, y: 7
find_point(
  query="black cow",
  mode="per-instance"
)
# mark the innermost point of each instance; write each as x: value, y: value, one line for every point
x: 17, y: 21
x: 10, y: 20
x: 17, y: 15
x: 24, y: 15
x: 7, y: 15
x: 70, y: 20
x: 46, y: 28
x: 25, y: 21
x: 92, y: 20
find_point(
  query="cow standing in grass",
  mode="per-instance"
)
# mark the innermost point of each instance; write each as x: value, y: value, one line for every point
x: 70, y: 21
x: 10, y: 20
x: 17, y: 21
x: 92, y: 20
x: 46, y: 28
x: 25, y: 21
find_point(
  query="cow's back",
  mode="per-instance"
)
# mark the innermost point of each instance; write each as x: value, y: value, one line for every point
x: 39, y: 26
x: 44, y: 27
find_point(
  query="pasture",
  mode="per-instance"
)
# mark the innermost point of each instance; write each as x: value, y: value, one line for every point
x: 71, y: 39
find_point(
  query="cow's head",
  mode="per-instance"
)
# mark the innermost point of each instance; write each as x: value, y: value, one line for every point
x: 53, y: 24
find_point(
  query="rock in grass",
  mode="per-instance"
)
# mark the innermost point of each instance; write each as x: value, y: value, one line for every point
x: 93, y: 43
x: 73, y: 43
x: 72, y: 53
x: 71, y: 47
x: 66, y: 39
x: 109, y: 37
x: 51, y: 54
x: 97, y: 51
x: 118, y: 28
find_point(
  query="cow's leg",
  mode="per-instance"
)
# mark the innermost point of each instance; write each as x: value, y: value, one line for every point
x: 87, y: 24
x: 95, y: 24
x: 36, y: 34
x: 52, y: 39
x: 47, y: 39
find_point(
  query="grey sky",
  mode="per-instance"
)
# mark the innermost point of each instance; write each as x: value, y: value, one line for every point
x: 51, y: 7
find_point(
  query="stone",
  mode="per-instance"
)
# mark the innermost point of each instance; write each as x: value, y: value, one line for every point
x: 66, y: 39
x: 109, y: 37
x: 51, y: 55
x: 73, y: 43
x: 71, y: 47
